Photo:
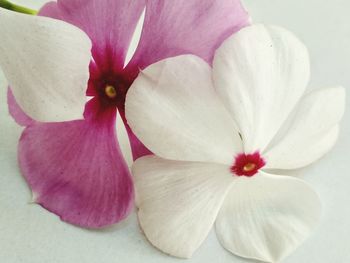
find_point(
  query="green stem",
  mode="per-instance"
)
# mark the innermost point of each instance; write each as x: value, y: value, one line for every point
x: 17, y: 8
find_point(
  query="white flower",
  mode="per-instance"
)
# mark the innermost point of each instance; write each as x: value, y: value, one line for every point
x: 218, y: 133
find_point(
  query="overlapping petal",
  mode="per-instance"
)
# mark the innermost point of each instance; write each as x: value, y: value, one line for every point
x: 16, y: 112
x: 313, y: 131
x: 76, y: 170
x: 179, y: 201
x: 173, y: 109
x: 188, y: 27
x: 266, y: 217
x: 138, y: 149
x: 50, y: 9
x: 109, y: 23
x: 32, y: 52
x: 260, y: 73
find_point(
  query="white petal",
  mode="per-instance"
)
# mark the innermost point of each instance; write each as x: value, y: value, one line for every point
x: 173, y: 109
x: 179, y: 201
x: 46, y: 62
x: 312, y: 133
x: 260, y: 74
x: 266, y: 217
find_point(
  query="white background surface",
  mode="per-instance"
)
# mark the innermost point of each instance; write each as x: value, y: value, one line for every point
x: 30, y: 234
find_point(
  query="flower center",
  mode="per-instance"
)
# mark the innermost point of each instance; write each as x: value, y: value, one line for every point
x: 110, y: 91
x: 249, y: 167
x: 108, y: 87
x: 247, y: 164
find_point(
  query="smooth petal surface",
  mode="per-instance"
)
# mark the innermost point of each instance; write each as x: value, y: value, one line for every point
x: 47, y: 65
x: 50, y: 9
x: 16, y: 112
x: 195, y: 27
x: 173, y: 109
x: 312, y: 133
x: 179, y: 201
x: 109, y: 23
x: 137, y: 148
x: 266, y: 217
x: 76, y: 170
x: 260, y: 74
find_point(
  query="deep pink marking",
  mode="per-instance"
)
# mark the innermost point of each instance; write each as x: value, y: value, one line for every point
x: 100, y: 78
x: 247, y: 164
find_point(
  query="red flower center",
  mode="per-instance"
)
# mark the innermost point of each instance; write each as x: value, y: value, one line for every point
x: 247, y: 164
x: 109, y: 87
x: 108, y: 82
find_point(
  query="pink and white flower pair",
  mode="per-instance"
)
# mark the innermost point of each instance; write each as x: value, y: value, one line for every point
x: 219, y: 136
x: 69, y: 154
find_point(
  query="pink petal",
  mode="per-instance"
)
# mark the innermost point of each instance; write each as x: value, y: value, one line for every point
x: 16, y: 112
x: 138, y: 149
x: 50, y: 9
x: 76, y: 170
x: 188, y: 27
x: 109, y: 23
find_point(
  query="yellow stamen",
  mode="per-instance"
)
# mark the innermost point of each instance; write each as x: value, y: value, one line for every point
x: 110, y: 91
x: 249, y: 167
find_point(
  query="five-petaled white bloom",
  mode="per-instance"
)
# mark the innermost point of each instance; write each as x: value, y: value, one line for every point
x: 217, y: 135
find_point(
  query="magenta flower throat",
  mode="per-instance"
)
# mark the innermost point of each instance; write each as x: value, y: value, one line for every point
x: 76, y: 169
x: 247, y: 164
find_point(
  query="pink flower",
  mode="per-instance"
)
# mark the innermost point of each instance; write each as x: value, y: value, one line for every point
x: 75, y: 168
